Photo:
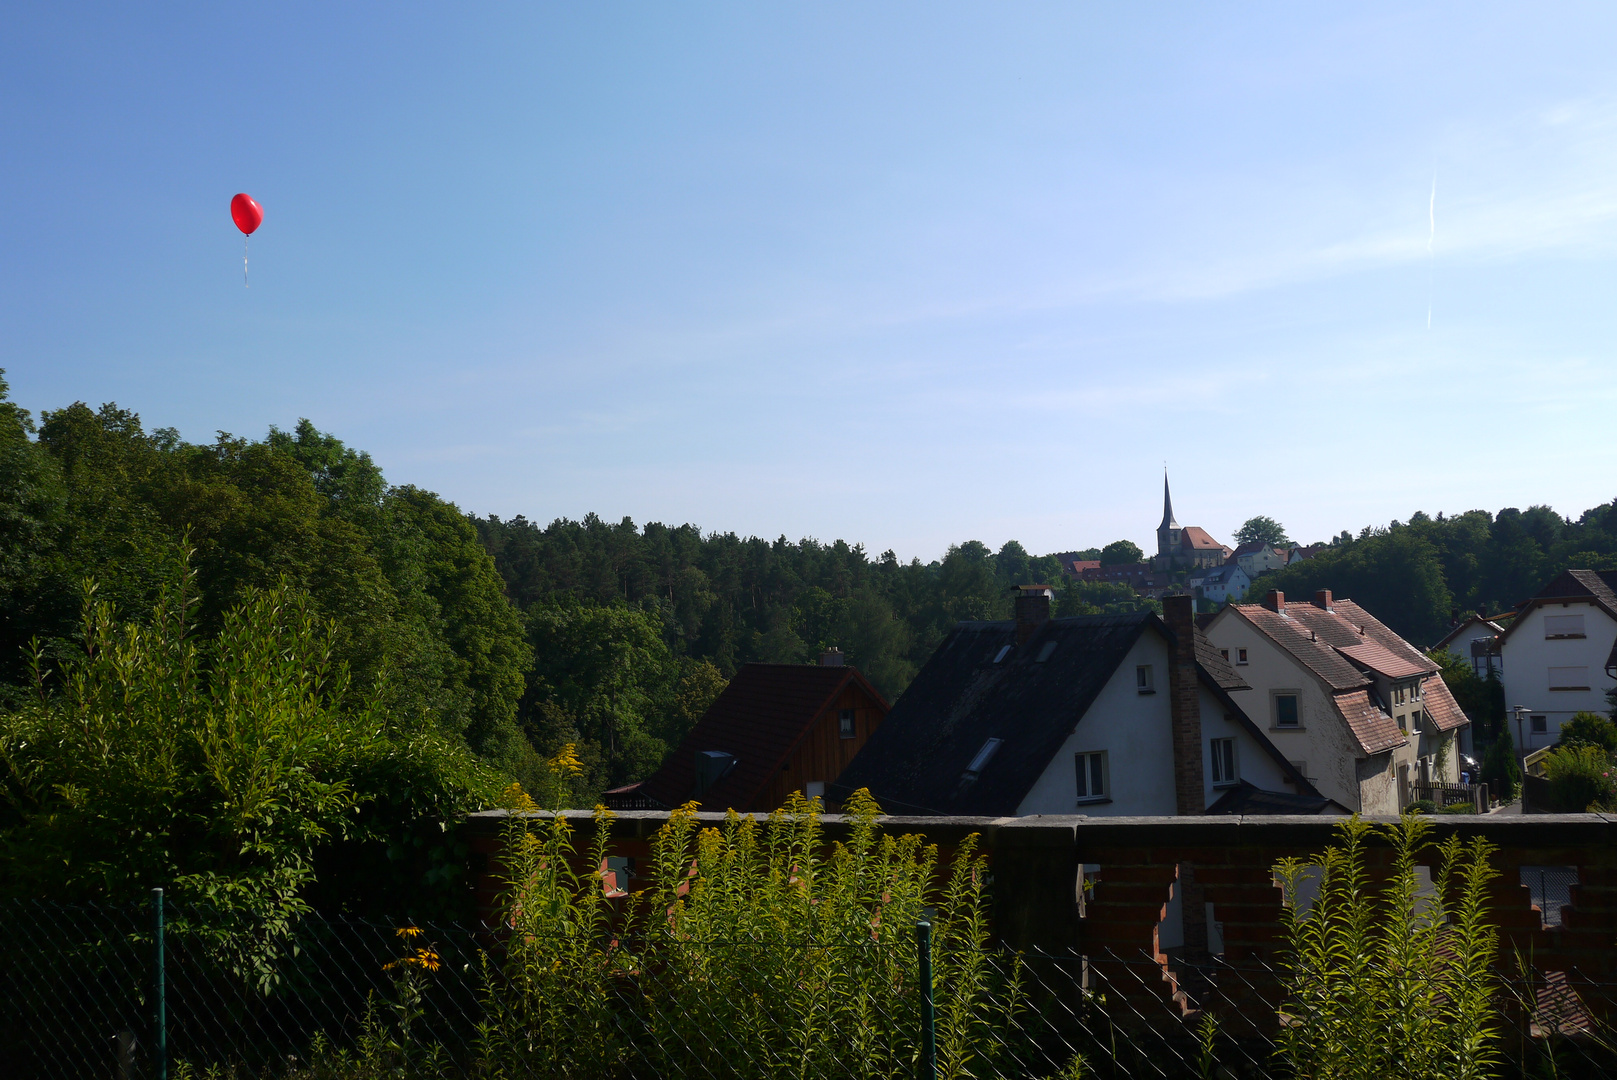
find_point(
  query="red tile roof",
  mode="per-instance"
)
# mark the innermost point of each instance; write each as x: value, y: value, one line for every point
x: 760, y: 717
x: 1378, y: 659
x: 1193, y: 536
x: 1328, y: 643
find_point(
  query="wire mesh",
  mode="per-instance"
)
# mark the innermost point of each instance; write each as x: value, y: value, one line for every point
x: 346, y: 997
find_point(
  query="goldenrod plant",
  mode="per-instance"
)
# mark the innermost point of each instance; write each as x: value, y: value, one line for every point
x: 1392, y: 977
x: 751, y: 949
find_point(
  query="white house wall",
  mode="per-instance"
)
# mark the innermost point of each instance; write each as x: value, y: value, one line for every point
x: 1528, y: 657
x: 1135, y: 730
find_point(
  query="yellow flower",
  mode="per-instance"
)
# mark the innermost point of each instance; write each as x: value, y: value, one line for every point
x: 566, y: 762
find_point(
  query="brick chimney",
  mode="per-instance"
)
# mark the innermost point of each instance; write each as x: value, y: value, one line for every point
x: 1032, y: 609
x: 831, y: 657
x: 1275, y: 601
x: 1184, y: 705
x: 1322, y: 599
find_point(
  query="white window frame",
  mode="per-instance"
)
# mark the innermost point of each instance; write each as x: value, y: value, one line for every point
x: 1217, y: 749
x: 1144, y: 679
x: 847, y: 724
x: 1084, y: 773
x: 1240, y: 657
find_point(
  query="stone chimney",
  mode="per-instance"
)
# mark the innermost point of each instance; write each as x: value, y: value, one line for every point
x: 831, y: 657
x: 1275, y: 601
x: 1032, y: 609
x: 1184, y: 705
x: 1322, y: 599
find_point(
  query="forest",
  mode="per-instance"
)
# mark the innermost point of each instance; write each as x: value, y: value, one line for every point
x: 469, y: 649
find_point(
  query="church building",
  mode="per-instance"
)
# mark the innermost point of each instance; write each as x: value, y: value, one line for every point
x: 1186, y: 548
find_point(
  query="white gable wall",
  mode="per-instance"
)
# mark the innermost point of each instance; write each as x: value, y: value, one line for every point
x: 1530, y: 659
x: 1135, y: 731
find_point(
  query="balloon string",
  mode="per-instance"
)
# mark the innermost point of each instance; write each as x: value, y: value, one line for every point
x: 244, y: 284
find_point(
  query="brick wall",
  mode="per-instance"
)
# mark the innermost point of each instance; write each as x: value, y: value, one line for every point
x: 1036, y: 864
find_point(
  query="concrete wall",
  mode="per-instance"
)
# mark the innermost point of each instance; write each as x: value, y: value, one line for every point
x: 1528, y: 657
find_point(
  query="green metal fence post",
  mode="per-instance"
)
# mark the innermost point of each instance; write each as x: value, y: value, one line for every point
x: 159, y: 990
x: 929, y: 1033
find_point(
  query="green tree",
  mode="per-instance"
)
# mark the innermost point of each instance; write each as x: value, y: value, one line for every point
x: 1262, y: 530
x: 217, y: 768
x: 1121, y: 553
x: 604, y: 679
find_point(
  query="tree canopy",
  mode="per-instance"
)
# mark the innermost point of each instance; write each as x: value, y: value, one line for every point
x: 1121, y: 553
x: 1262, y: 530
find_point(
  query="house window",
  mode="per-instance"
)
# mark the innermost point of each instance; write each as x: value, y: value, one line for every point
x: 845, y: 724
x: 1225, y: 653
x: 1538, y: 724
x: 1240, y: 656
x: 1398, y: 695
x: 1002, y: 654
x: 1092, y: 776
x: 1563, y: 626
x: 1044, y: 653
x: 1286, y: 710
x: 984, y: 756
x: 814, y: 789
x: 1569, y: 678
x: 1224, y: 761
x: 1143, y: 681
x: 1414, y: 691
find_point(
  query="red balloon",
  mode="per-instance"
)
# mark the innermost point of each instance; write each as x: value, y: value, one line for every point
x: 246, y: 213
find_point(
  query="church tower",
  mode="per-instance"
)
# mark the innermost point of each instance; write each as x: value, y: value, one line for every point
x: 1168, y: 531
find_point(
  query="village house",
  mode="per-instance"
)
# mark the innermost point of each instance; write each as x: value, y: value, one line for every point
x: 1219, y: 584
x: 1560, y: 654
x: 1351, y: 704
x: 1097, y: 715
x: 1255, y: 557
x: 775, y: 729
x: 1475, y: 639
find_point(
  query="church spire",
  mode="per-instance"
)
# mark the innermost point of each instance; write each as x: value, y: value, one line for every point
x: 1167, y: 506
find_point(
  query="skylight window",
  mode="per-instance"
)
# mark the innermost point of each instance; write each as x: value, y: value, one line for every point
x: 984, y: 756
x: 1002, y: 654
x: 1044, y: 653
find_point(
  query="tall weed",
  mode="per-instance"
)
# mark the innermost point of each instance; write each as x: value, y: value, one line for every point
x: 1383, y: 977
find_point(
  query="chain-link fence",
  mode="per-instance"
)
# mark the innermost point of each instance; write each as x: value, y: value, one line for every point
x: 341, y: 997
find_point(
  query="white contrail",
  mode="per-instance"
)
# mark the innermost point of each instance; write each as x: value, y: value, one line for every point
x: 1431, y: 256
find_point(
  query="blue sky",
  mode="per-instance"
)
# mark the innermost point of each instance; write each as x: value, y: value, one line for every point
x: 904, y: 274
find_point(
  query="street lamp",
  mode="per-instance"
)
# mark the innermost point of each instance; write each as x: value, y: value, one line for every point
x: 1521, y: 744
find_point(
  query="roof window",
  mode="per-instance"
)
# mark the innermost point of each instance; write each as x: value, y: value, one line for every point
x: 1002, y: 654
x: 984, y: 756
x: 1044, y: 653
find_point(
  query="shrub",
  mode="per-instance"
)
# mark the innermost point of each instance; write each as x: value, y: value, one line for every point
x: 1500, y: 769
x: 753, y: 949
x: 1589, y: 729
x: 1389, y: 979
x: 1581, y: 777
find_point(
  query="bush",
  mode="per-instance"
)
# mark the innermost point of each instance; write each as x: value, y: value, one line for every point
x: 1389, y: 979
x: 220, y: 770
x: 1581, y: 777
x: 1589, y: 729
x: 752, y: 949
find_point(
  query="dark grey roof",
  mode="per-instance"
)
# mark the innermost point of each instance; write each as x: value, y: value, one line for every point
x: 1247, y: 798
x: 916, y: 761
